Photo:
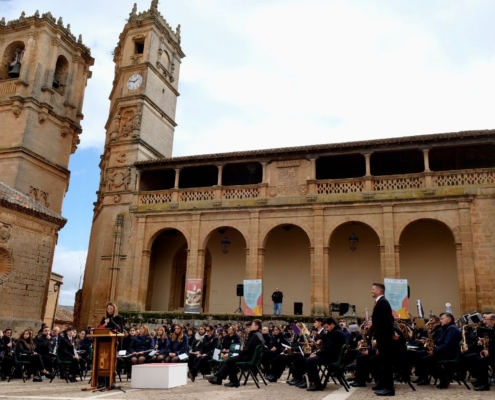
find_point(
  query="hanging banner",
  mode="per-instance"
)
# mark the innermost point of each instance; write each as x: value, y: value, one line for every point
x: 396, y: 294
x: 194, y: 296
x: 253, y: 297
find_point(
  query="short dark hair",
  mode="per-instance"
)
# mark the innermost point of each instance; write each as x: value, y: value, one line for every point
x: 449, y: 315
x: 330, y: 321
x: 319, y: 319
x: 258, y: 323
x: 380, y: 285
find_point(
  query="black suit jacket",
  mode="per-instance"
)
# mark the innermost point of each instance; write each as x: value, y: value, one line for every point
x: 383, y: 321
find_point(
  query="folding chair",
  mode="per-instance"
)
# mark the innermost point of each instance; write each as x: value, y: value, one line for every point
x: 252, y: 367
x: 234, y: 350
x: 337, y: 368
x: 452, y: 366
x: 19, y: 364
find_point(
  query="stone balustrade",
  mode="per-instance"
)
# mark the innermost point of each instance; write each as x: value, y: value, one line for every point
x: 8, y: 86
x: 326, y: 190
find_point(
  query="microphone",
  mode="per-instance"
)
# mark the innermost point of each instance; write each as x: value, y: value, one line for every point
x: 117, y: 328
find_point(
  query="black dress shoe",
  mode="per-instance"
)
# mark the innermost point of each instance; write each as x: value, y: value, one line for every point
x: 295, y: 382
x: 214, y: 380
x: 482, y: 388
x: 359, y: 384
x: 378, y: 386
x: 232, y: 384
x: 271, y: 378
x: 385, y: 392
x: 315, y: 388
x: 443, y: 384
x: 303, y: 385
x: 423, y: 382
x: 191, y: 376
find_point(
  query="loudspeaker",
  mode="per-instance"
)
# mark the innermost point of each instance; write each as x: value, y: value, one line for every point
x: 298, y: 308
x: 344, y: 307
x: 240, y: 290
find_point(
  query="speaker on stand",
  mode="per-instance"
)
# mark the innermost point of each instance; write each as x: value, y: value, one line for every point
x: 298, y: 308
x: 240, y: 294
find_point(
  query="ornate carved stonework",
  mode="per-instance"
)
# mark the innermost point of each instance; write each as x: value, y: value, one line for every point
x: 303, y: 190
x: 16, y: 110
x: 5, y: 265
x: 126, y: 123
x: 272, y: 191
x: 121, y: 157
x: 287, y: 181
x: 40, y: 196
x: 64, y: 131
x: 117, y: 198
x: 4, y: 232
x: 42, y: 117
x: 118, y: 179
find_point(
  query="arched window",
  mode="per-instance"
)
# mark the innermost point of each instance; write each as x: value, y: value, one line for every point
x: 60, y: 75
x: 10, y: 67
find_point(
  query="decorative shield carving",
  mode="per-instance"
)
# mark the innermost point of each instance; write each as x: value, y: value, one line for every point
x: 6, y: 264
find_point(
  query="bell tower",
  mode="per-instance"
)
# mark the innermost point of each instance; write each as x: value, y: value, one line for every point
x: 140, y: 127
x: 43, y: 73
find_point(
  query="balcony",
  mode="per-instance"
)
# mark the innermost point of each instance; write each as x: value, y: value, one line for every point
x: 410, y: 186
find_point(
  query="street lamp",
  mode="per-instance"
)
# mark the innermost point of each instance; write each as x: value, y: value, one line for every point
x: 353, y: 241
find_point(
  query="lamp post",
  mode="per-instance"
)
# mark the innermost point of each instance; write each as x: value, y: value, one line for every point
x: 225, y: 245
x: 353, y: 241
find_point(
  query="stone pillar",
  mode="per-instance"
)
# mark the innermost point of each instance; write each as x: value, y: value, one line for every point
x: 138, y: 180
x: 468, y: 286
x: 28, y: 57
x: 200, y: 272
x: 194, y: 269
x: 388, y: 261
x: 50, y: 68
x: 319, y: 274
x: 264, y: 164
x: 312, y: 168
x: 326, y: 288
x: 368, y: 183
x: 260, y: 262
x: 177, y: 173
x: 427, y: 172
x: 136, y: 297
x: 253, y: 270
x: 220, y: 170
x: 397, y: 260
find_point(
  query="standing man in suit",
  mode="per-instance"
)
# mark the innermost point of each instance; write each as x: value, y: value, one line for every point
x: 383, y: 331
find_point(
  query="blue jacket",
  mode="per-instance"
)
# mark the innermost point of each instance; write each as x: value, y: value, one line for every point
x: 141, y: 343
x: 179, y: 347
x: 162, y: 346
x: 85, y: 344
x: 447, y: 345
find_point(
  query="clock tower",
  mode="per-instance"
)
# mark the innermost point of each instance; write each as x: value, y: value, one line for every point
x: 140, y: 127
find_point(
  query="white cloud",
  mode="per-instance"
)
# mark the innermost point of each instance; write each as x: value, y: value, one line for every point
x: 70, y: 264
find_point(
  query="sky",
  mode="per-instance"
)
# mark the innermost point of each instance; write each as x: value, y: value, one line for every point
x: 274, y: 73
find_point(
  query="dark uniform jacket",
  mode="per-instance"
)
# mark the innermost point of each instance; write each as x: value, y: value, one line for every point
x: 447, y: 345
x: 210, y: 343
x: 65, y: 349
x: 255, y: 339
x: 141, y: 343
x: 382, y: 322
x: 114, y: 323
x: 332, y: 345
x: 278, y: 341
x: 43, y: 345
x: 230, y: 340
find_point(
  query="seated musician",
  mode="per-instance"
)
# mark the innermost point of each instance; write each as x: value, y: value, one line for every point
x: 267, y: 337
x: 229, y: 368
x: 296, y: 360
x: 161, y: 345
x: 210, y: 343
x: 141, y: 346
x: 67, y: 352
x: 446, y: 348
x: 8, y: 358
x: 479, y: 363
x: 434, y: 330
x: 43, y: 347
x: 230, y: 339
x: 177, y: 345
x: 331, y: 348
x: 278, y: 340
x: 25, y: 350
x: 300, y: 342
x: 126, y: 343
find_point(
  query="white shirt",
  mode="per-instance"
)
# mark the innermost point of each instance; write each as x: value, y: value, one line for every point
x: 378, y: 298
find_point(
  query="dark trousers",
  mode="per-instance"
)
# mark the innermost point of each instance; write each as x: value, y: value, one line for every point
x: 7, y: 364
x: 266, y: 358
x: 428, y: 365
x: 199, y: 364
x: 386, y: 370
x: 478, y: 367
x: 229, y: 368
x: 34, y: 360
x: 311, y: 366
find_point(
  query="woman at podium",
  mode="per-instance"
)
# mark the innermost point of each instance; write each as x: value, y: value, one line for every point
x: 112, y: 319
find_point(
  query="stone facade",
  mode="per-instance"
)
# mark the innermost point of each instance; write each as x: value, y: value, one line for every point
x: 425, y: 203
x: 43, y: 73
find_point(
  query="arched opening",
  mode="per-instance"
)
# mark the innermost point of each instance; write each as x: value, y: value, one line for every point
x: 226, y: 272
x: 352, y: 273
x: 166, y: 282
x: 12, y: 60
x: 428, y: 262
x: 287, y: 266
x: 60, y: 75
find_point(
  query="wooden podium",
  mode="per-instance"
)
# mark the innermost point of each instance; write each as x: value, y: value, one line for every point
x: 104, y: 357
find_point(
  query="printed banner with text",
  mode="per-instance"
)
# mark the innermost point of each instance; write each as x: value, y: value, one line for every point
x: 253, y: 297
x: 396, y: 294
x: 194, y: 295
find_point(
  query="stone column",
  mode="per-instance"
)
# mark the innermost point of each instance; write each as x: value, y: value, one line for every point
x: 264, y: 178
x: 220, y: 170
x: 388, y: 259
x: 50, y: 69
x: 397, y: 260
x: 194, y: 269
x: 177, y: 173
x: 326, y: 272
x: 136, y: 297
x: 253, y: 270
x: 368, y: 183
x: 138, y: 180
x: 467, y: 272
x: 427, y: 172
x: 319, y: 275
x: 28, y: 57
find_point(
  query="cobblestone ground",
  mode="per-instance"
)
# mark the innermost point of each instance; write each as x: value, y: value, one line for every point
x: 202, y: 390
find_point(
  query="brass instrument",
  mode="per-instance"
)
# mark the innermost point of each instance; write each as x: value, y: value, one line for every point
x: 486, y: 342
x: 406, y: 331
x: 464, y: 345
x: 363, y: 343
x: 429, y: 344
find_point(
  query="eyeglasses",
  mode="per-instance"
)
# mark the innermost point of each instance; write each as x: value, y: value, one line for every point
x: 208, y: 330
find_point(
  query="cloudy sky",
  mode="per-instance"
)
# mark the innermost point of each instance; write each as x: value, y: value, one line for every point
x: 274, y: 73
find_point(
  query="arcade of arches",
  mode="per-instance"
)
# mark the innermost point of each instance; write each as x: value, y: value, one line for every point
x: 427, y: 257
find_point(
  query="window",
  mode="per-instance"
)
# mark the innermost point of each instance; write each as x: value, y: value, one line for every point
x: 139, y: 48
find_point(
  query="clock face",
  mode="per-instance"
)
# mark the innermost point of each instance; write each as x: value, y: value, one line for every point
x: 134, y: 82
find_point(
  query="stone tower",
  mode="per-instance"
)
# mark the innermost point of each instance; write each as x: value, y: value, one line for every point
x: 43, y: 73
x: 140, y: 127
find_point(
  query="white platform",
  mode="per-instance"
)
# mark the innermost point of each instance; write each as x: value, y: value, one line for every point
x: 158, y: 376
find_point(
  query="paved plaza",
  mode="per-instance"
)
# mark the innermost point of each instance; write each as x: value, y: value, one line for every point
x: 202, y: 390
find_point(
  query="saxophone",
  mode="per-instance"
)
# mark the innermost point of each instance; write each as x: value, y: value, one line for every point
x: 464, y: 345
x: 486, y: 342
x: 364, y: 331
x: 429, y: 344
